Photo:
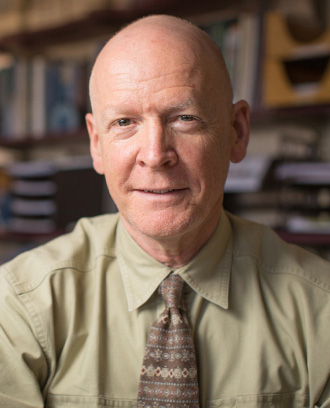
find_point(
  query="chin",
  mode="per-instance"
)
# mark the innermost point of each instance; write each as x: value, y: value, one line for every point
x: 160, y: 227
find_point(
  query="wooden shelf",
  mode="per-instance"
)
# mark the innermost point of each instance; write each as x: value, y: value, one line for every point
x: 49, y: 138
x: 321, y: 112
x: 12, y: 244
x: 108, y: 21
x: 95, y: 23
x: 306, y: 238
x: 28, y: 237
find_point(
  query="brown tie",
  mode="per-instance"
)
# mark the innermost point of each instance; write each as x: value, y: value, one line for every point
x: 169, y: 371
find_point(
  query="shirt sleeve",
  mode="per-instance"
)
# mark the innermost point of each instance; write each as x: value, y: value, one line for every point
x: 324, y: 401
x: 317, y: 339
x: 23, y: 367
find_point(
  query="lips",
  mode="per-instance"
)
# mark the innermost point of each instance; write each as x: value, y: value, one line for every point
x: 163, y: 191
x: 158, y: 197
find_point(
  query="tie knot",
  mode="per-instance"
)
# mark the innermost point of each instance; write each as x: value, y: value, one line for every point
x: 171, y: 290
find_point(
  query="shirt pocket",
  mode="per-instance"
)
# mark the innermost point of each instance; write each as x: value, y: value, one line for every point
x: 287, y: 400
x: 71, y: 401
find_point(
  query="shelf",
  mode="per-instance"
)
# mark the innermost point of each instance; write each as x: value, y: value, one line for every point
x: 79, y: 135
x: 305, y: 238
x: 96, y: 23
x: 13, y: 244
x: 301, y: 112
x: 108, y: 21
x: 8, y: 236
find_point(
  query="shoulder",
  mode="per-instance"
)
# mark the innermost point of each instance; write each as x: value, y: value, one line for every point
x: 79, y: 249
x: 274, y: 256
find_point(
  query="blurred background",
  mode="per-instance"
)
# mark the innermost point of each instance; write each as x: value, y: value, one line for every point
x: 277, y: 53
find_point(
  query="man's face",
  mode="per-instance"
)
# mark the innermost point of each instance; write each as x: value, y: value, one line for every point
x: 163, y: 138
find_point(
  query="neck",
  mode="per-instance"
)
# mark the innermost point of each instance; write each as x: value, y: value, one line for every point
x: 173, y: 251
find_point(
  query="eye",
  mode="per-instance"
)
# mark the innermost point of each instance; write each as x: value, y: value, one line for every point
x: 124, y: 122
x: 187, y: 118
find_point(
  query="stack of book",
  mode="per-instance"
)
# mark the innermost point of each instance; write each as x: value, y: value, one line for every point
x: 40, y: 97
x: 32, y: 204
x: 49, y: 196
x: 239, y: 40
x: 306, y: 196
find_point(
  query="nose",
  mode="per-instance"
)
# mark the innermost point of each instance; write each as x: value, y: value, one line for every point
x: 156, y: 146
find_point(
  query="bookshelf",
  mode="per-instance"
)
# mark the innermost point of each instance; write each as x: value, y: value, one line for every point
x: 275, y: 125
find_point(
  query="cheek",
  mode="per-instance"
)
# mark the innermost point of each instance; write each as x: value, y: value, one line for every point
x: 115, y: 159
x: 118, y: 161
x: 216, y: 165
x: 216, y: 157
x: 112, y: 171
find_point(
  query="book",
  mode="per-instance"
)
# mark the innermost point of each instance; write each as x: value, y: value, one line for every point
x: 248, y: 60
x: 304, y: 173
x: 7, y: 95
x: 239, y: 40
x: 32, y: 206
x: 46, y: 196
x: 20, y: 100
x: 311, y: 225
x: 43, y: 96
x: 37, y: 124
x: 248, y: 175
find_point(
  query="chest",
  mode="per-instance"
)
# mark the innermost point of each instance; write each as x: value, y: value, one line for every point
x: 242, y: 359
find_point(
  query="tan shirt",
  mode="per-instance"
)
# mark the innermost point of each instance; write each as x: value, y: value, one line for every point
x: 75, y: 313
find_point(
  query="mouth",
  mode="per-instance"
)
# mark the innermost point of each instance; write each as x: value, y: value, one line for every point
x: 161, y: 196
x: 170, y: 193
x: 160, y: 191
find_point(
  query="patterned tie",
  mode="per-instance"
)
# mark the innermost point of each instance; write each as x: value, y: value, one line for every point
x: 169, y: 371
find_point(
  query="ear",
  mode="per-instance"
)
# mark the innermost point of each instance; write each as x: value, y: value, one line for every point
x: 95, y: 144
x: 241, y: 130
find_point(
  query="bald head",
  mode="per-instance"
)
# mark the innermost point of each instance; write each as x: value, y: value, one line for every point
x: 160, y: 39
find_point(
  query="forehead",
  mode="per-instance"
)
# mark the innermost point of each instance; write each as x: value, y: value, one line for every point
x: 154, y: 78
x: 165, y: 81
x: 167, y: 93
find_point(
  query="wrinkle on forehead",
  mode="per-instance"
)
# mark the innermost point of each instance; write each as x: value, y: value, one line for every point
x: 130, y: 70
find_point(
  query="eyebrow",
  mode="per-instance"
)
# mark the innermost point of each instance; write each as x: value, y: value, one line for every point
x: 171, y: 108
x: 109, y: 111
x: 181, y: 106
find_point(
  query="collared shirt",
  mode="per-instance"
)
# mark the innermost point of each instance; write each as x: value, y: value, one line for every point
x: 75, y: 315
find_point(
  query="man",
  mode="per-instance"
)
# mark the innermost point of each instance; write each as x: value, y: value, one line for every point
x: 75, y: 314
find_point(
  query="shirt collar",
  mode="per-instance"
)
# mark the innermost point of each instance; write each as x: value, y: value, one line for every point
x: 208, y: 273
